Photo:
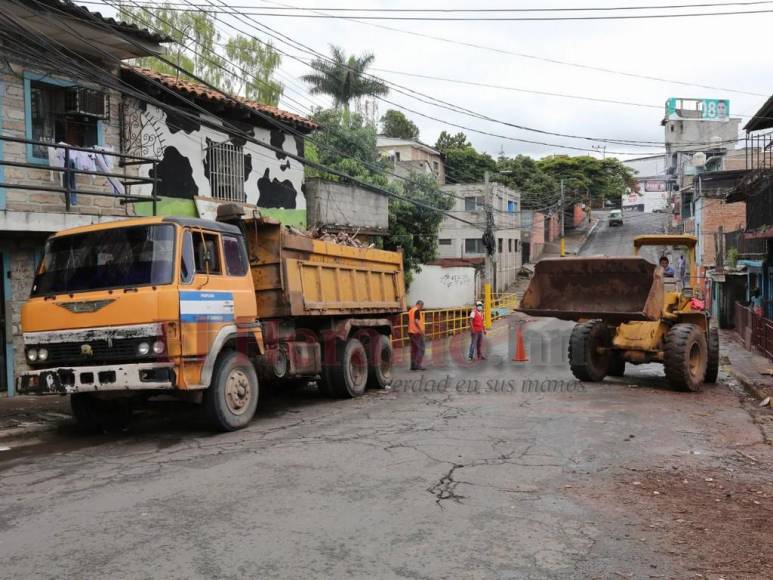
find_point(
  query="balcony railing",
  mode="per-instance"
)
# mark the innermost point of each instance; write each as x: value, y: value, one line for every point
x: 69, y: 171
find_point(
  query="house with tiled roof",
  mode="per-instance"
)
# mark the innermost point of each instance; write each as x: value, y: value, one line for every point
x: 214, y: 147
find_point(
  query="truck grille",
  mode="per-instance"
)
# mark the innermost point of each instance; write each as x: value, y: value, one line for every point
x: 94, y: 352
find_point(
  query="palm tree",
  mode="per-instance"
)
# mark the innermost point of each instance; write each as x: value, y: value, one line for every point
x: 344, y: 78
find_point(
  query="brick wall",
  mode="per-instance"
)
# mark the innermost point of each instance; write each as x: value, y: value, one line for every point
x: 579, y: 216
x: 715, y: 213
x: 537, y: 236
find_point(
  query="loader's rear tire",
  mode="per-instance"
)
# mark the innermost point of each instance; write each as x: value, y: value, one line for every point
x: 348, y: 376
x: 616, y: 365
x: 587, y: 362
x: 232, y: 396
x: 380, y: 362
x: 712, y: 366
x: 685, y: 357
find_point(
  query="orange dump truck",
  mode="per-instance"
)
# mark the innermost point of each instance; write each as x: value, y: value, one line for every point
x: 206, y: 310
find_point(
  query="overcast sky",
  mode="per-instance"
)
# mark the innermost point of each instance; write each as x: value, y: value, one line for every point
x: 730, y: 51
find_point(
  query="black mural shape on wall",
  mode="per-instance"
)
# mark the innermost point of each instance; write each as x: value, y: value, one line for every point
x: 176, y: 122
x: 275, y: 193
x: 278, y: 140
x: 176, y: 175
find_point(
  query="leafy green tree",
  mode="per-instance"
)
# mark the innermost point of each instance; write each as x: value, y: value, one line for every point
x: 447, y: 141
x: 413, y: 228
x: 253, y: 64
x: 196, y: 49
x: 349, y: 145
x: 344, y: 78
x: 397, y: 125
x: 607, y: 178
x: 523, y: 173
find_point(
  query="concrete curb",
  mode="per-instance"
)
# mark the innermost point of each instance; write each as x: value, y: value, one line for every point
x: 750, y: 385
x: 588, y: 236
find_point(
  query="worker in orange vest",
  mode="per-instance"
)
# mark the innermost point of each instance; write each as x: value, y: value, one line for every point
x: 477, y: 330
x: 416, y: 334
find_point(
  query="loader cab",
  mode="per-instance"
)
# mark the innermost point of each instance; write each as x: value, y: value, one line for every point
x: 665, y: 251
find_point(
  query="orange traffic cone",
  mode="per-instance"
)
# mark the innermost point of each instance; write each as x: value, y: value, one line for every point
x: 520, y: 349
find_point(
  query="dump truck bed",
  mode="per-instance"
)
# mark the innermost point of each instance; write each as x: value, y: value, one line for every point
x: 613, y: 289
x: 295, y: 275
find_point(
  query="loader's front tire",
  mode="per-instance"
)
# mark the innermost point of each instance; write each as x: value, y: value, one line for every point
x: 586, y: 358
x: 712, y: 366
x: 685, y: 357
x: 232, y: 396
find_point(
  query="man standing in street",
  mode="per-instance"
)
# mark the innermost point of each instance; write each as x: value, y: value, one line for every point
x: 477, y: 331
x: 681, y: 270
x: 416, y: 334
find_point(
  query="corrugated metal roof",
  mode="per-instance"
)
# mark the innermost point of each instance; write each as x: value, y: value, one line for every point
x: 200, y: 91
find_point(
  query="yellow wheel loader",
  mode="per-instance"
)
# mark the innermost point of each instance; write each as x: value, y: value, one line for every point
x: 629, y: 310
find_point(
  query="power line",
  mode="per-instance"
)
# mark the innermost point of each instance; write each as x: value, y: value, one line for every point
x: 541, y: 58
x: 230, y: 128
x: 496, y: 10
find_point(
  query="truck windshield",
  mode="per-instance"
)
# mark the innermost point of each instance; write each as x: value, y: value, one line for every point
x: 109, y: 258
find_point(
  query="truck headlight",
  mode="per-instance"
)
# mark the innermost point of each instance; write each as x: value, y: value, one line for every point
x: 143, y: 348
x: 159, y: 347
x: 42, y: 354
x: 32, y: 354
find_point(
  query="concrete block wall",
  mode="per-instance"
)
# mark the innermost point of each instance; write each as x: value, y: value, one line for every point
x: 344, y: 205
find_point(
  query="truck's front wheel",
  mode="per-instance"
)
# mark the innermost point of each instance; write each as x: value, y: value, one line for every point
x: 232, y: 397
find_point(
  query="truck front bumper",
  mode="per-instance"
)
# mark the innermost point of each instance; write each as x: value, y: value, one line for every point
x: 125, y: 377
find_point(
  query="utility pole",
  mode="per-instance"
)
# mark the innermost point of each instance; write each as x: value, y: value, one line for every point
x: 561, y: 209
x: 490, y: 245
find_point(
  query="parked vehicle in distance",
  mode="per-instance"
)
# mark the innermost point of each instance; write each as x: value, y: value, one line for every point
x: 615, y: 217
x: 203, y: 310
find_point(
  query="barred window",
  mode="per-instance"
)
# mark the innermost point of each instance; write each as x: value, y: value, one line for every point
x: 226, y: 171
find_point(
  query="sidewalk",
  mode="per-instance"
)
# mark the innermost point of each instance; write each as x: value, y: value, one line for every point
x: 575, y: 240
x: 751, y: 369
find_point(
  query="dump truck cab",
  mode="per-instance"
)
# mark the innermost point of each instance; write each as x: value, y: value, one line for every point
x: 140, y: 305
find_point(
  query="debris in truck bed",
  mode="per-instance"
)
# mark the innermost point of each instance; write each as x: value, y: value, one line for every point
x: 340, y: 238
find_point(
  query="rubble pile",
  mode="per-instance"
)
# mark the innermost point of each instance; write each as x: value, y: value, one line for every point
x: 340, y: 238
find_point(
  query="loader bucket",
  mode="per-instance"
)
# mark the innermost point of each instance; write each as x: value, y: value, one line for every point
x: 613, y: 289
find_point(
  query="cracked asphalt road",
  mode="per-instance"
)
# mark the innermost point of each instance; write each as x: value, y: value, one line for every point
x: 462, y: 471
x: 419, y: 481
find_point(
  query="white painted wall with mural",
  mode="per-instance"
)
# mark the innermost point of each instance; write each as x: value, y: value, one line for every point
x: 198, y: 161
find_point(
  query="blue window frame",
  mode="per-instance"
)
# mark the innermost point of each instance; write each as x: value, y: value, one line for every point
x: 512, y: 206
x: 93, y: 132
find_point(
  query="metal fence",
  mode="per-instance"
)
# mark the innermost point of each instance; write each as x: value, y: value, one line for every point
x: 755, y: 331
x: 442, y: 322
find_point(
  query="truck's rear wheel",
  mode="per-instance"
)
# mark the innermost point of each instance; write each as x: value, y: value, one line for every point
x: 587, y: 357
x: 712, y: 365
x: 232, y: 397
x: 348, y: 376
x: 685, y: 357
x: 380, y: 356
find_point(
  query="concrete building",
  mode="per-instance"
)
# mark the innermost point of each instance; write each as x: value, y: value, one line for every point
x: 653, y: 181
x: 462, y: 241
x: 346, y: 207
x: 411, y: 156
